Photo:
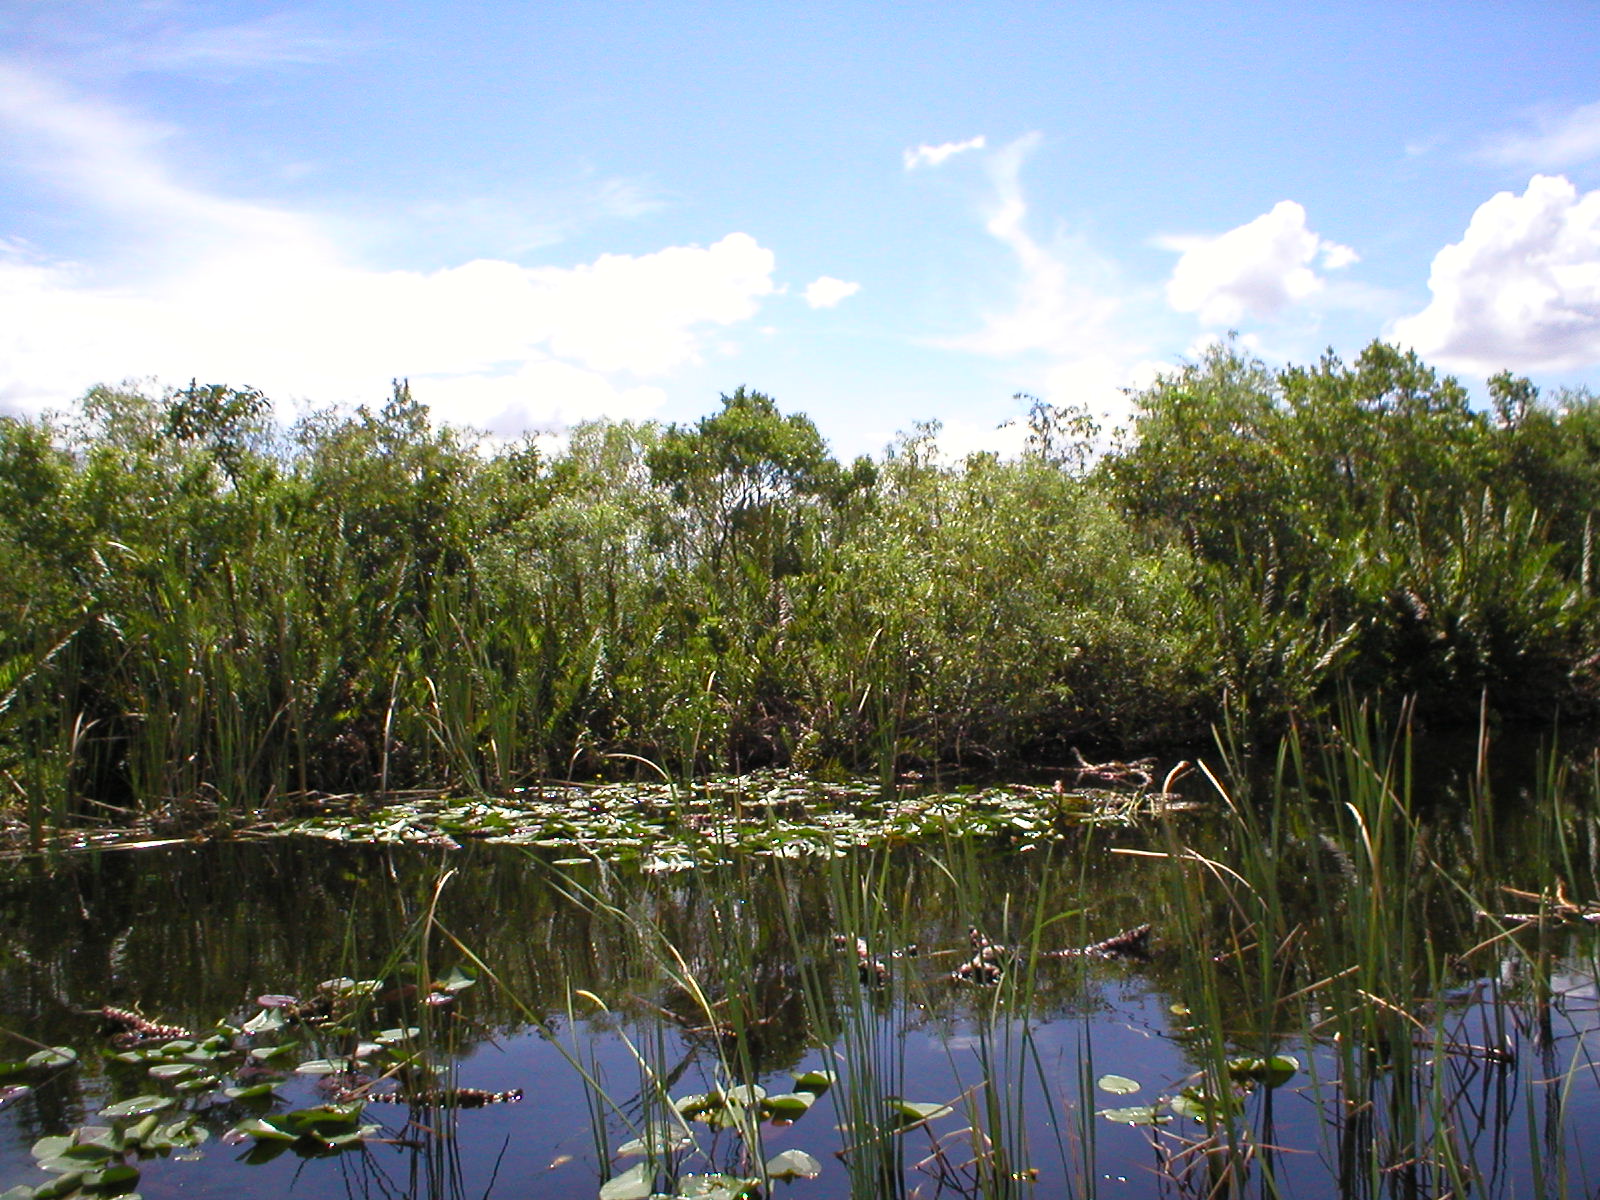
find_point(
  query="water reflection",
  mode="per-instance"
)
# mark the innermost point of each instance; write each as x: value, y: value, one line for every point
x: 691, y: 982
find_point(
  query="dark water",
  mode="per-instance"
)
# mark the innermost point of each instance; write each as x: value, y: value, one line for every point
x: 192, y: 934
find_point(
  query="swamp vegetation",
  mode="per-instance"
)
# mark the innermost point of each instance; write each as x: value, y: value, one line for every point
x: 685, y: 813
x: 1356, y: 974
x: 200, y: 607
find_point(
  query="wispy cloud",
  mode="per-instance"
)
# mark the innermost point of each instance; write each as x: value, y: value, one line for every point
x: 933, y: 156
x: 1557, y: 140
x: 101, y: 41
x: 1058, y: 308
x: 1063, y: 331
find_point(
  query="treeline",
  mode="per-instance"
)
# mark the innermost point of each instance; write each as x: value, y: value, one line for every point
x: 197, y: 602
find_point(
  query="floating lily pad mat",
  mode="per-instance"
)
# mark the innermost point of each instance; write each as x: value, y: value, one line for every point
x: 777, y: 813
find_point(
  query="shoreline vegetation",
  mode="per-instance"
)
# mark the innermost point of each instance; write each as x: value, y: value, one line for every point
x: 202, y: 606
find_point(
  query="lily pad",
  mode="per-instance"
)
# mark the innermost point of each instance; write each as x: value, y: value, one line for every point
x: 793, y: 1164
x: 48, y: 1059
x: 716, y: 1187
x: 656, y: 1140
x: 790, y: 1105
x: 138, y: 1106
x: 253, y: 1091
x: 179, y: 1070
x: 323, y: 1066
x: 1277, y: 1069
x: 911, y: 1113
x: 1139, y: 1114
x: 636, y: 1183
x: 1117, y: 1085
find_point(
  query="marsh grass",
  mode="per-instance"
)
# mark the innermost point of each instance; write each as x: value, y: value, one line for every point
x: 1331, y: 925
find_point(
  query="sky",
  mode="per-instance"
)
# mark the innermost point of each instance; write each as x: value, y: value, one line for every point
x: 879, y: 214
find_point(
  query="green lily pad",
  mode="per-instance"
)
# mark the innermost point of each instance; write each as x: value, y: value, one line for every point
x: 793, y: 1164
x: 138, y: 1106
x: 910, y: 1113
x: 790, y: 1105
x: 268, y: 1020
x: 456, y: 980
x: 1139, y: 1114
x: 1117, y: 1085
x: 52, y: 1147
x: 323, y: 1066
x: 267, y: 1053
x: 60, y: 1186
x: 1277, y: 1069
x: 167, y: 1070
x: 715, y: 1187
x: 636, y: 1183
x: 264, y: 1129
x: 253, y: 1091
x: 324, y: 1115
x: 49, y: 1059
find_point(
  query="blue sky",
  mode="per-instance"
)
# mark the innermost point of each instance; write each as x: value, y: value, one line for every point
x: 878, y: 213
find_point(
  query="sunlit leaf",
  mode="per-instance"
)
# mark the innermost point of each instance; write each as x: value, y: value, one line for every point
x: 268, y: 1020
x: 324, y: 1115
x: 267, y: 1053
x: 252, y: 1091
x: 636, y: 1183
x: 323, y: 1066
x: 1140, y: 1114
x: 793, y: 1164
x: 911, y: 1113
x: 656, y: 1140
x: 138, y: 1106
x: 173, y: 1070
x: 54, y: 1056
x: 1117, y: 1085
x: 262, y: 1129
x: 715, y: 1187
x: 791, y: 1105
x: 61, y: 1185
x: 456, y: 980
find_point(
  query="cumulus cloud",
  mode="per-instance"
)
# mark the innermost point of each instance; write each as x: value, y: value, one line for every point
x: 1521, y: 289
x: 1257, y: 269
x: 1557, y: 140
x: 933, y: 156
x: 826, y: 291
x: 248, y: 293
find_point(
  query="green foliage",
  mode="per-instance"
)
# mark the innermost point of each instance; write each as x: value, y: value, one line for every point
x: 196, y: 604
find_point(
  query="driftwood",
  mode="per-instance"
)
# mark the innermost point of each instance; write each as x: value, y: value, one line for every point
x: 1553, y: 906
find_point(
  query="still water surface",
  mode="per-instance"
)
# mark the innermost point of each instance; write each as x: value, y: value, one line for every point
x: 189, y: 935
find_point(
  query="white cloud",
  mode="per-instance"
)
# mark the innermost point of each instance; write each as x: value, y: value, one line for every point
x: 1058, y: 309
x: 933, y: 156
x: 246, y: 293
x: 826, y: 292
x: 1257, y: 269
x: 1521, y: 289
x: 1558, y: 140
x: 1062, y: 329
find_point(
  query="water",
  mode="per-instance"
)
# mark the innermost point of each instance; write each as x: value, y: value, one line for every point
x: 192, y: 934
